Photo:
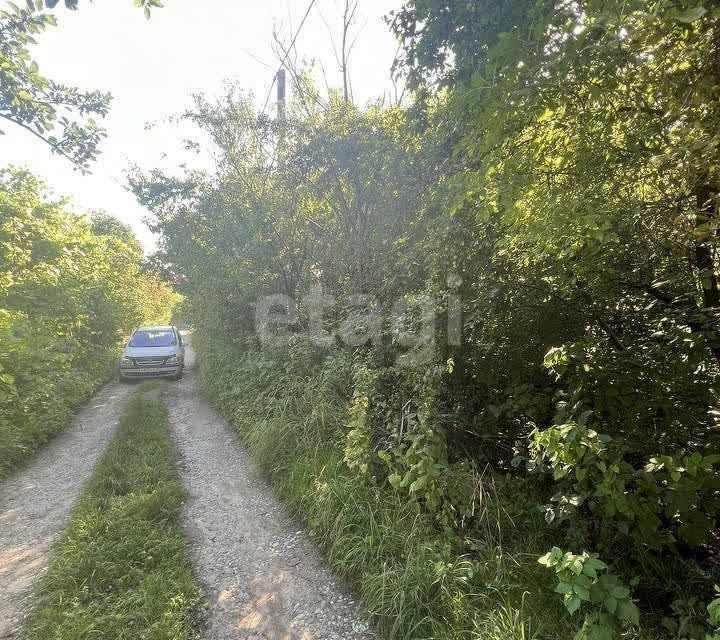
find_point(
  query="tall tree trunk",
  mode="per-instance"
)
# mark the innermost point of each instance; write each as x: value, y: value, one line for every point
x: 706, y: 202
x: 706, y: 211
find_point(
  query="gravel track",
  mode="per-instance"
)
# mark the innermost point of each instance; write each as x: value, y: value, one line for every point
x: 262, y: 577
x: 35, y: 503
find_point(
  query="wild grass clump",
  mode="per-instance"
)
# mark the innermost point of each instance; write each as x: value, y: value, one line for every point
x: 122, y: 570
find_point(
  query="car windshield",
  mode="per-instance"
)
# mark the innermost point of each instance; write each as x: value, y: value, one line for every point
x: 153, y: 338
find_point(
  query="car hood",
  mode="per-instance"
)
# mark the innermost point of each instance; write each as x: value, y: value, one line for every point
x: 145, y: 352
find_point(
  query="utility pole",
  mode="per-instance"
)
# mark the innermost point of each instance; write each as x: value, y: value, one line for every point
x: 281, y: 114
x: 281, y: 96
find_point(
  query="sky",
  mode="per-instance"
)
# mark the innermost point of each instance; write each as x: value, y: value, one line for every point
x: 152, y: 68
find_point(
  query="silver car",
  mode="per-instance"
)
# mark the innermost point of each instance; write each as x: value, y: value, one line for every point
x: 153, y: 352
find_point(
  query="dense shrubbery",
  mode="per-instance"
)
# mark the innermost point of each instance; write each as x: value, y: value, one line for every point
x: 560, y: 193
x: 418, y: 580
x: 70, y: 289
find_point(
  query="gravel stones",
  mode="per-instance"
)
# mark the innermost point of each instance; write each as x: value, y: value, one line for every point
x: 262, y: 577
x: 35, y: 503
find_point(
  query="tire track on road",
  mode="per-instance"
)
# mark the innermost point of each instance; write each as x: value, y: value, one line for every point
x: 35, y: 503
x: 263, y: 578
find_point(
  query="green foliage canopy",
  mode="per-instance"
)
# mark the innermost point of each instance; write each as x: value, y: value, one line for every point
x: 557, y: 179
x: 70, y: 289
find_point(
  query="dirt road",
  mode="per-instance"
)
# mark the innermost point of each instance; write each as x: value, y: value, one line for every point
x: 262, y: 577
x: 36, y: 502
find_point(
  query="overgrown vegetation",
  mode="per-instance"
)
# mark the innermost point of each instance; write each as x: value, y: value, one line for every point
x: 70, y: 289
x: 488, y: 321
x: 122, y: 570
x: 417, y: 579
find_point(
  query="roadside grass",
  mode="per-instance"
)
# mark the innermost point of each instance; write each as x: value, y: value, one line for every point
x: 418, y: 581
x: 122, y: 571
x: 44, y: 404
x: 149, y: 385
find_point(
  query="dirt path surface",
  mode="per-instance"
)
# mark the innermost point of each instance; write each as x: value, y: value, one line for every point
x: 36, y: 502
x: 262, y: 577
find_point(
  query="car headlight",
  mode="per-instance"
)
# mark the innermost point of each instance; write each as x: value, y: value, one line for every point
x: 125, y: 361
x: 172, y: 360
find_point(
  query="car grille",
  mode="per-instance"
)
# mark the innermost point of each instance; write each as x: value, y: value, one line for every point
x: 149, y: 361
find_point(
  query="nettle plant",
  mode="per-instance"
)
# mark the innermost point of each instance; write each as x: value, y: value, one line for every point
x: 585, y: 585
x: 418, y: 465
x: 673, y: 497
x: 414, y: 460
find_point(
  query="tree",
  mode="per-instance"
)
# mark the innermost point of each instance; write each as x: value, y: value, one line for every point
x: 562, y: 186
x: 447, y: 41
x: 104, y: 224
x: 59, y: 115
x: 146, y: 5
x: 70, y: 289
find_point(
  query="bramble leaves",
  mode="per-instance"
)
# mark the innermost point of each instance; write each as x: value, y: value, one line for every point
x: 673, y: 496
x: 582, y: 580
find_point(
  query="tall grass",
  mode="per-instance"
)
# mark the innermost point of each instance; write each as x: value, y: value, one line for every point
x: 122, y: 570
x: 417, y: 580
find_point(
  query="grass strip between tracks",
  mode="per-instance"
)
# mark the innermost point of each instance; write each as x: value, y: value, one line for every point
x: 122, y: 569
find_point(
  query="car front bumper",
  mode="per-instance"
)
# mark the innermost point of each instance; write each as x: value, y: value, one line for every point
x: 151, y: 372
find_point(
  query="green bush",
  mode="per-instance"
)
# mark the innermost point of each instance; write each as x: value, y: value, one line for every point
x: 418, y: 579
x: 70, y: 289
x: 673, y: 497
